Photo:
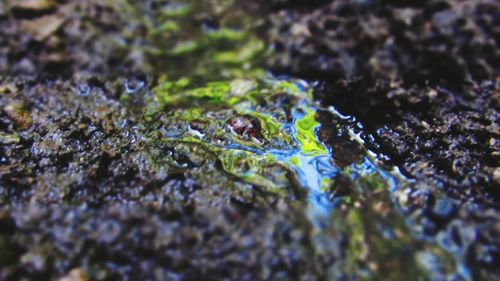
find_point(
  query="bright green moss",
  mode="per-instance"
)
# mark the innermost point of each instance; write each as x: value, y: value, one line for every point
x: 227, y: 34
x: 214, y: 104
x: 175, y: 94
x: 184, y: 48
x: 306, y: 135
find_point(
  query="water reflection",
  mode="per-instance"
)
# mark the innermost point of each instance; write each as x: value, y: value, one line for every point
x: 270, y: 133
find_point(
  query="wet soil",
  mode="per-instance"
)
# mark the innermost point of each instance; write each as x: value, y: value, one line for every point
x: 415, y: 42
x: 95, y: 191
x: 87, y: 190
x: 421, y: 76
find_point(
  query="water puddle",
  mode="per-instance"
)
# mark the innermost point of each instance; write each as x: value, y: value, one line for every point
x: 253, y: 125
x: 269, y: 133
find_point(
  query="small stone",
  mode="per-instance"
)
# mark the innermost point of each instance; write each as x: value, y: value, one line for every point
x: 134, y: 85
x: 496, y: 175
x: 300, y: 29
x: 56, y: 58
x: 432, y: 94
x: 445, y: 20
x: 25, y: 66
x: 42, y: 28
x: 34, y: 260
x: 4, y: 160
x: 246, y: 127
x: 19, y: 114
x: 8, y: 88
x: 33, y: 5
x: 75, y: 275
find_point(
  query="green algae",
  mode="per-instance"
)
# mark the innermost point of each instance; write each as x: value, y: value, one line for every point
x: 292, y: 162
x: 171, y: 94
x: 381, y: 246
x: 287, y: 137
x: 179, y: 10
x: 244, y: 158
x: 306, y: 135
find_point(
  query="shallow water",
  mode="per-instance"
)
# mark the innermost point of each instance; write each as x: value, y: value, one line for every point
x: 266, y: 132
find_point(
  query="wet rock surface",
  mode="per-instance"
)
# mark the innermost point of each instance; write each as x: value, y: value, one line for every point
x: 121, y: 159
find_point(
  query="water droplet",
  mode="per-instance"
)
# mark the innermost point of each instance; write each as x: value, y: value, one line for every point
x: 4, y: 160
x: 444, y: 209
x: 84, y: 90
x: 195, y: 133
x: 132, y: 86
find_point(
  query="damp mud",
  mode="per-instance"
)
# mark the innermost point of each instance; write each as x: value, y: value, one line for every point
x: 258, y: 149
x: 280, y: 140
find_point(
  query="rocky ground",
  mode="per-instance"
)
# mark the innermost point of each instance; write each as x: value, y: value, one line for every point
x: 87, y: 191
